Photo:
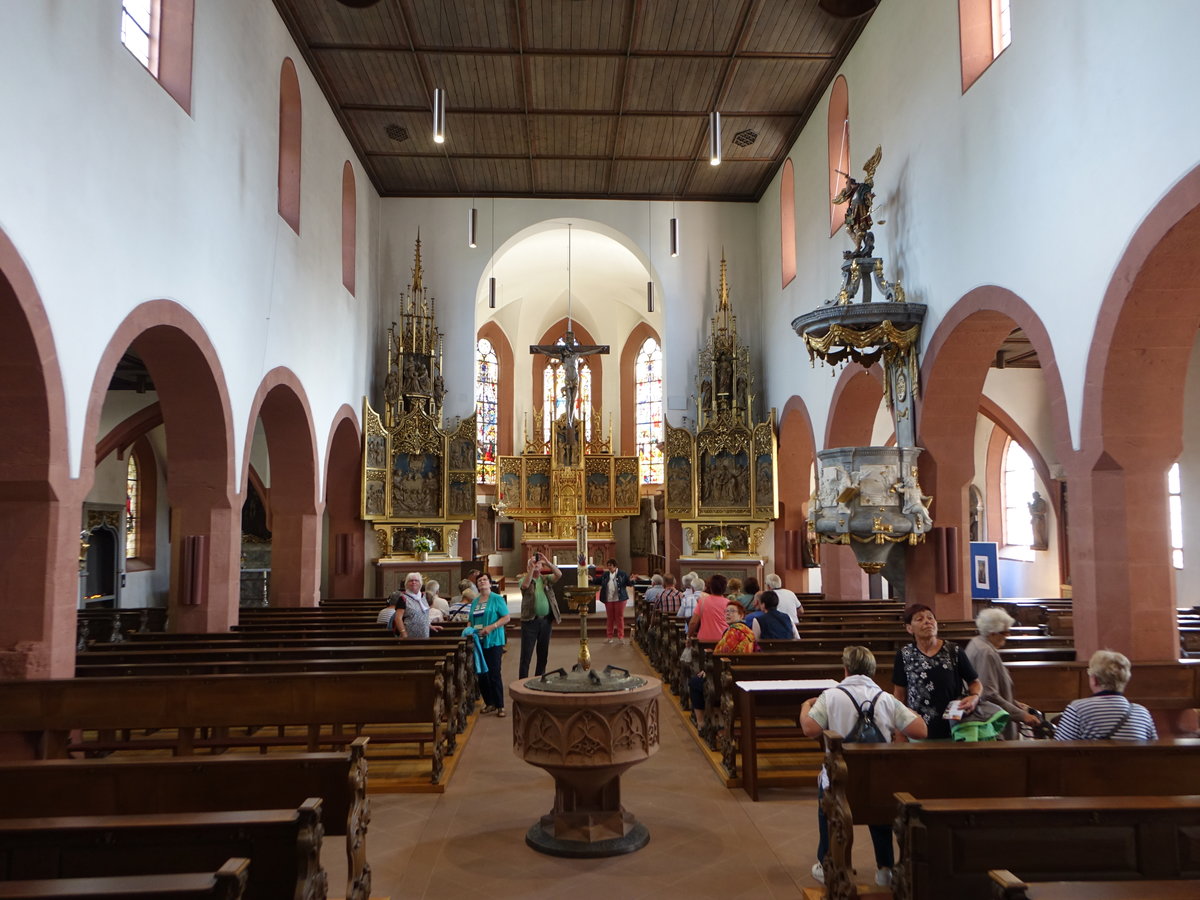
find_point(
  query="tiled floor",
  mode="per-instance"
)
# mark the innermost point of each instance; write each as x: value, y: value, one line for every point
x: 705, y: 840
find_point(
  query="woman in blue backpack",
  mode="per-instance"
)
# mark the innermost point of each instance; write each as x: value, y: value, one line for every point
x: 860, y: 710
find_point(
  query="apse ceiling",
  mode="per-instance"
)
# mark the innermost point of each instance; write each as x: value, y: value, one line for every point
x: 606, y: 99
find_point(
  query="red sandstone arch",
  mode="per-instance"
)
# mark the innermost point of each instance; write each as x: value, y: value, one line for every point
x: 628, y: 375
x: 952, y: 375
x: 797, y: 453
x: 345, y: 549
x: 295, y: 505
x: 852, y: 413
x: 39, y: 504
x: 205, y: 514
x: 1131, y: 432
x: 504, y: 411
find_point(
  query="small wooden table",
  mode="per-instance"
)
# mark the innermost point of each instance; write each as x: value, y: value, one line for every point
x: 751, y: 695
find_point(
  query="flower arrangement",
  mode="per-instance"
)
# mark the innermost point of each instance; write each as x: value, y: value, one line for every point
x: 718, y: 542
x: 422, y: 544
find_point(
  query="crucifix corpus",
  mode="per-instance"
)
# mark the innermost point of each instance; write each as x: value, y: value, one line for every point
x: 568, y: 353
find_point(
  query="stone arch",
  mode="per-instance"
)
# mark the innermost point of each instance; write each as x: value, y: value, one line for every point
x: 797, y: 453
x: 628, y: 381
x: 953, y: 372
x: 345, y: 550
x: 1145, y: 332
x: 504, y: 355
x: 39, y: 504
x: 194, y: 399
x: 296, y: 508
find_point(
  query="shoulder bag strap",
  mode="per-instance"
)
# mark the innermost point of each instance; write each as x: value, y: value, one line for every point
x: 1120, y: 722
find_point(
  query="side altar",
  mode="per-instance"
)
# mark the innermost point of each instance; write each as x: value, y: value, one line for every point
x: 722, y: 481
x: 418, y: 477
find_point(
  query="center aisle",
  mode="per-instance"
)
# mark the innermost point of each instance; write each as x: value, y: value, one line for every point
x: 705, y: 840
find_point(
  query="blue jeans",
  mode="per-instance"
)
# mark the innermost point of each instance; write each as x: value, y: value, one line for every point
x: 881, y: 838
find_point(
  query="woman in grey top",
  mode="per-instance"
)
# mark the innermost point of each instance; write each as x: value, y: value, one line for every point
x: 984, y: 653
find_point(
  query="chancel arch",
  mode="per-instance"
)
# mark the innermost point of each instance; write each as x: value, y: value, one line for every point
x: 295, y: 549
x: 39, y: 512
x: 797, y: 455
x: 1136, y: 408
x: 965, y: 356
x: 178, y: 359
x: 344, y: 541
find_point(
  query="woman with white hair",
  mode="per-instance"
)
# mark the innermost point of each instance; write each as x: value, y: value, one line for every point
x: 983, y: 651
x: 1107, y: 714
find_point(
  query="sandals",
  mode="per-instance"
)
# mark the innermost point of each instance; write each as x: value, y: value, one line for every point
x: 500, y: 713
x: 486, y: 710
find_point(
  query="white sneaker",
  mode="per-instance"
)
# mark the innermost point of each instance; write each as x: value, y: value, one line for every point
x: 818, y: 872
x: 883, y: 877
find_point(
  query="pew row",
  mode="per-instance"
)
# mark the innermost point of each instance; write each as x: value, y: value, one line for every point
x: 864, y: 778
x: 284, y: 846
x: 949, y: 845
x: 227, y: 883
x: 201, y: 712
x: 137, y: 786
x: 1007, y: 886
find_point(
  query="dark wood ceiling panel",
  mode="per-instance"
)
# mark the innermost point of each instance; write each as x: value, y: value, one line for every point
x: 647, y: 179
x: 492, y: 176
x: 659, y: 136
x: 575, y: 82
x: 664, y: 84
x: 570, y: 177
x: 762, y: 85
x: 442, y: 24
x: 787, y: 26
x: 731, y: 178
x: 594, y: 25
x: 369, y: 129
x: 603, y: 98
x: 413, y: 174
x: 572, y: 135
x: 372, y: 77
x: 473, y: 82
x: 332, y: 23
x: 684, y: 25
x: 773, y: 133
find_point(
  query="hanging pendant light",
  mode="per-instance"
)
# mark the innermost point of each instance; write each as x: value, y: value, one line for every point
x: 674, y: 235
x: 492, y: 277
x: 492, y: 292
x: 649, y: 256
x: 714, y: 139
x: 472, y: 226
x: 649, y: 296
x: 439, y: 116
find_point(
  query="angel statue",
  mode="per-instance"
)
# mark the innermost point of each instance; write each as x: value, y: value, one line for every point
x: 858, y: 197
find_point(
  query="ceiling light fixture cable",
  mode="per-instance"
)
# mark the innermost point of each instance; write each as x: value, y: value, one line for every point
x: 439, y: 101
x: 714, y: 117
x: 473, y: 215
x: 649, y: 257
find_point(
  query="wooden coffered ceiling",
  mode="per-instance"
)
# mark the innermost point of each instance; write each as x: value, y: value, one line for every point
x: 572, y: 98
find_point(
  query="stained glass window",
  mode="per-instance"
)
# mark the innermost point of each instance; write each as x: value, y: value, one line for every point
x: 132, y: 501
x: 487, y: 410
x: 648, y: 375
x: 553, y: 402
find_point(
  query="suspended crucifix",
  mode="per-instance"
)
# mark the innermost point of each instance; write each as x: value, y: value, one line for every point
x: 568, y: 353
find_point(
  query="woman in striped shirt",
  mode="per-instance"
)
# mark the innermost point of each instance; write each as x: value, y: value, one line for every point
x: 1107, y: 714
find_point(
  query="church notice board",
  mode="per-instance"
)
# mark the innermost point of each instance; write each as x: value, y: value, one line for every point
x: 985, y: 571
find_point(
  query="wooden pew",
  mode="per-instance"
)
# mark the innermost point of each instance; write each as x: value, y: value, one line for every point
x: 227, y: 883
x: 949, y: 845
x: 284, y: 846
x: 202, y: 711
x: 863, y: 779
x: 1007, y: 886
x: 135, y: 786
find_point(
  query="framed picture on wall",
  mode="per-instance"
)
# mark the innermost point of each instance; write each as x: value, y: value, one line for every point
x: 985, y: 574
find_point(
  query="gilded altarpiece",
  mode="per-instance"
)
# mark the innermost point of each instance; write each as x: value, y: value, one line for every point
x: 418, y: 478
x: 722, y: 481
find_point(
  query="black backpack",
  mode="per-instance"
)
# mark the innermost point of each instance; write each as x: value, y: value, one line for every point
x: 865, y: 731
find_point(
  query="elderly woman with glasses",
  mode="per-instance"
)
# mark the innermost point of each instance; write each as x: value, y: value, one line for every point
x: 983, y: 651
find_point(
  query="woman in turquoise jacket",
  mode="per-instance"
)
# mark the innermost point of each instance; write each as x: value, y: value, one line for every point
x: 489, y: 615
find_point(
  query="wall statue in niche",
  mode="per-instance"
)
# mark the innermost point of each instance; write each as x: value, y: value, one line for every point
x: 416, y: 484
x: 724, y: 479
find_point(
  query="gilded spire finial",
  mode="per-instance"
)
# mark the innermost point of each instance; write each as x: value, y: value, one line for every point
x: 723, y: 293
x: 416, y: 269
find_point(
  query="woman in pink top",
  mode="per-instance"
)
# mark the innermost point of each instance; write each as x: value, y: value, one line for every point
x: 708, y: 621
